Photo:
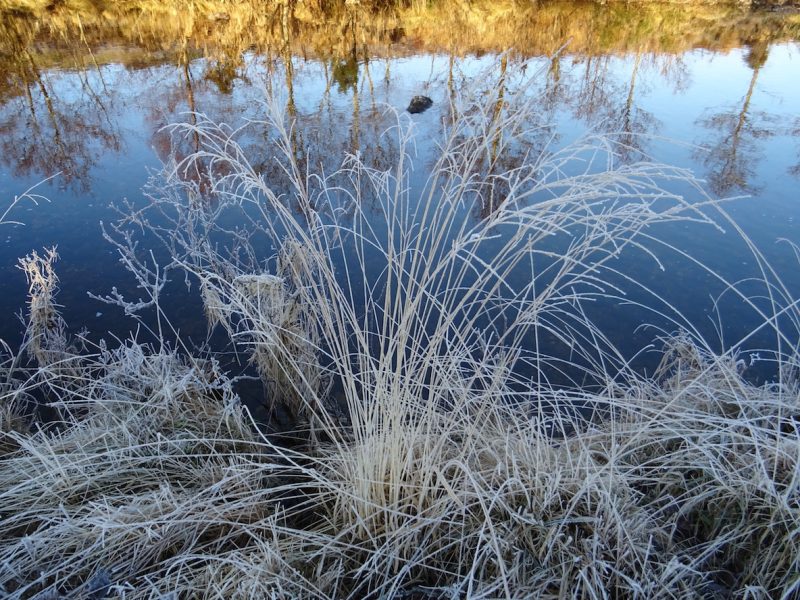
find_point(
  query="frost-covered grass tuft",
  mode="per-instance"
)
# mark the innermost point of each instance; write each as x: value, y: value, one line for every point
x: 404, y: 330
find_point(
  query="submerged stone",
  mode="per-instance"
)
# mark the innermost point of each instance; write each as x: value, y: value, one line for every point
x: 419, y: 104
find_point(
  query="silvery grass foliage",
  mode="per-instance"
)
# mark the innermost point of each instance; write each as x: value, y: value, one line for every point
x: 393, y: 324
x: 13, y: 408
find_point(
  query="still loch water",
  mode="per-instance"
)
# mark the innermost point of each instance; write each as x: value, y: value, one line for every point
x: 85, y: 97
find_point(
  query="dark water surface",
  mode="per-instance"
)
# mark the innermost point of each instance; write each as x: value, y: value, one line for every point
x: 85, y: 97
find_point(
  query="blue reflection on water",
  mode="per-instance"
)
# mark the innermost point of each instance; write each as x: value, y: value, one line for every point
x: 731, y: 123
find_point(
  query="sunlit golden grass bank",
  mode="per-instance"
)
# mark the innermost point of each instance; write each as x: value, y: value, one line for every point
x: 324, y: 29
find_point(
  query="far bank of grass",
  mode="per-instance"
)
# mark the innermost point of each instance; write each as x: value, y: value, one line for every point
x: 225, y: 30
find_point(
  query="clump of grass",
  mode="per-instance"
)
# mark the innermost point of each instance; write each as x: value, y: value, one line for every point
x: 46, y: 331
x: 457, y: 468
x: 153, y: 466
x: 275, y: 326
x: 14, y: 401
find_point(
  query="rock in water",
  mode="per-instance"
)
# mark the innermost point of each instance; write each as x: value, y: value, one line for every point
x: 419, y: 104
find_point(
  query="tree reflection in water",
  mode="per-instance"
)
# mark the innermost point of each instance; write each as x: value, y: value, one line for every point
x: 795, y: 132
x: 91, y: 92
x: 61, y: 108
x: 47, y: 125
x: 733, y: 159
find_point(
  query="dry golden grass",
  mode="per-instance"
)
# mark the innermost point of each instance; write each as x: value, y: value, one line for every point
x: 224, y: 30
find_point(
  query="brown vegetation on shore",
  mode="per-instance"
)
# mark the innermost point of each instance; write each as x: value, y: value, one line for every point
x: 115, y: 32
